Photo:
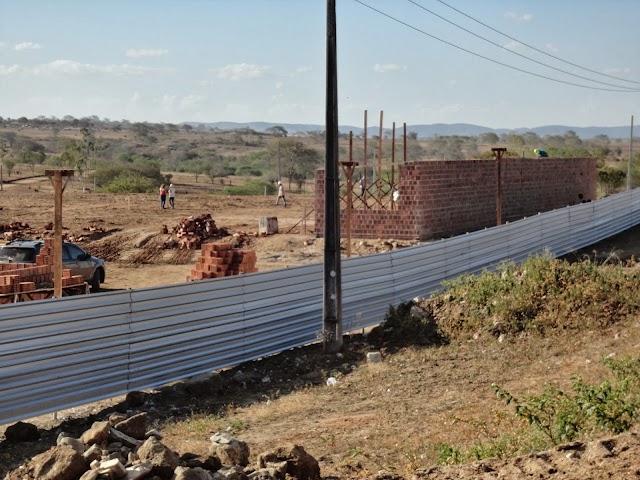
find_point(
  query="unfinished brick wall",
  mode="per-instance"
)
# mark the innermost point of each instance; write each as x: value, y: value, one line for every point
x: 222, y: 260
x: 445, y: 198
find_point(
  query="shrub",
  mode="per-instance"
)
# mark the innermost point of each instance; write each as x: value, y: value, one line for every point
x: 253, y: 187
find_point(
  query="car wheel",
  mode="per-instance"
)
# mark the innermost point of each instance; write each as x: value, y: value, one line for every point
x: 95, y: 282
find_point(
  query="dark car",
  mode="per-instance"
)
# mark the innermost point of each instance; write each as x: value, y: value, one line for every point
x: 73, y: 257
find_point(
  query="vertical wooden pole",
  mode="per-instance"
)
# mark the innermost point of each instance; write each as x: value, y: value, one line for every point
x: 498, y: 154
x: 379, y: 176
x: 393, y: 163
x: 57, y: 235
x: 364, y: 168
x: 404, y: 158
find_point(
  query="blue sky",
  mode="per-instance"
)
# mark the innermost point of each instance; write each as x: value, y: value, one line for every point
x: 264, y: 60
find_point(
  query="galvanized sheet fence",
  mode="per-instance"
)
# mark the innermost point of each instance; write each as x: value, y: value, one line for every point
x: 60, y: 353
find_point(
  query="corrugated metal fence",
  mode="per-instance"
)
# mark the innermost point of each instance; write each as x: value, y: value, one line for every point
x: 60, y: 353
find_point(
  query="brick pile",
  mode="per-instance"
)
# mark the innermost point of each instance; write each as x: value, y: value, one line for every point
x: 222, y: 260
x: 193, y: 231
x: 27, y: 277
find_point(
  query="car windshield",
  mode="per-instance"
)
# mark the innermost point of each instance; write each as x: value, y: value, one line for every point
x: 16, y: 254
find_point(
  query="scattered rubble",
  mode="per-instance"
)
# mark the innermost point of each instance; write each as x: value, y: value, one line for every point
x: 192, y: 231
x: 104, y: 452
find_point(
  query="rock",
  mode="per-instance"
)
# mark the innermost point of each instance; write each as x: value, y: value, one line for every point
x: 135, y: 426
x: 231, y: 473
x: 74, y: 443
x: 374, y: 357
x: 58, y: 463
x: 112, y: 468
x: 124, y: 438
x: 163, y: 460
x: 141, y: 470
x: 94, y: 452
x: 90, y: 475
x: 98, y: 433
x: 272, y: 471
x: 229, y: 450
x: 22, y: 432
x: 197, y: 473
x: 208, y: 462
x: 300, y: 464
x: 136, y: 399
x: 153, y: 433
x: 204, y: 384
x: 116, y: 418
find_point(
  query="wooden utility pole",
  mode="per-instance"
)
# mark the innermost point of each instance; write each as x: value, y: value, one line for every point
x: 404, y: 158
x: 364, y: 169
x: 58, y: 188
x: 332, y: 312
x: 498, y: 154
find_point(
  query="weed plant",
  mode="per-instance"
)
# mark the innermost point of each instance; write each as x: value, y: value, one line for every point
x: 540, y: 295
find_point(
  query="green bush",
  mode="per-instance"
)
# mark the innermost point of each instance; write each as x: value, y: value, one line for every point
x: 127, y: 184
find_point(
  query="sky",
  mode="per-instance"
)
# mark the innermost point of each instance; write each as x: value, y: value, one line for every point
x: 175, y: 61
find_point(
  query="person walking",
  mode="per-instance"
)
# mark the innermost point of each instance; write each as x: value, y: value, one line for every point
x: 281, y: 194
x: 172, y: 196
x: 163, y: 195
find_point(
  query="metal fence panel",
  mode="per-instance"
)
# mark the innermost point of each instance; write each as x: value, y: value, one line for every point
x: 59, y: 353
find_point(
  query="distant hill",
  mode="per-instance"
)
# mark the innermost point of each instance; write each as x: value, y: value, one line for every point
x: 426, y: 131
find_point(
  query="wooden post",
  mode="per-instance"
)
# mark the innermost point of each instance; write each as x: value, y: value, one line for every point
x: 379, y: 176
x: 58, y: 188
x: 364, y: 168
x: 404, y: 159
x: 393, y: 163
x: 348, y: 168
x: 498, y: 154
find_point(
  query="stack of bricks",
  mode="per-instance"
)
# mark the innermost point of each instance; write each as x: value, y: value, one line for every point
x: 27, y: 277
x: 222, y: 260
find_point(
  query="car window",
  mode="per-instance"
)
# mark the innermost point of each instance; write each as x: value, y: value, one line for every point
x: 65, y: 253
x: 16, y: 254
x: 74, y: 251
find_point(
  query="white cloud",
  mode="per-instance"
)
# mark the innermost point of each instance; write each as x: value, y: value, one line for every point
x: 28, y: 46
x: 3, y: 44
x: 240, y: 71
x: 279, y: 85
x: 303, y: 69
x: 388, y: 67
x: 519, y: 17
x: 146, y: 52
x: 512, y: 45
x: 70, y: 67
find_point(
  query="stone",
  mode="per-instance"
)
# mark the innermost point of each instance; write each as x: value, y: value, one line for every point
x: 163, y: 460
x: 229, y: 450
x: 90, y: 475
x: 141, y: 470
x: 22, y: 432
x: 300, y: 464
x: 153, y: 433
x: 94, y: 452
x: 98, y: 433
x: 208, y: 462
x: 124, y: 438
x: 265, y: 474
x: 197, y: 473
x: 231, y: 473
x: 57, y: 463
x: 112, y: 468
x: 374, y: 357
x: 74, y: 443
x: 136, y: 399
x: 116, y: 418
x: 135, y: 426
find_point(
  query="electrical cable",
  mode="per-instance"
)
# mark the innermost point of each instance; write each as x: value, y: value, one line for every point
x: 537, y: 49
x: 520, y: 54
x: 491, y: 59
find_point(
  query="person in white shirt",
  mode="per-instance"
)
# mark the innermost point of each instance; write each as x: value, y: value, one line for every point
x: 172, y: 196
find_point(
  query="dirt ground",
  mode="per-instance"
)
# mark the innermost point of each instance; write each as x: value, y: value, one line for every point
x: 380, y: 420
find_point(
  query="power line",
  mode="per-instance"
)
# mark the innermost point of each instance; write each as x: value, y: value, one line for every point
x: 490, y: 59
x: 537, y: 49
x: 517, y: 53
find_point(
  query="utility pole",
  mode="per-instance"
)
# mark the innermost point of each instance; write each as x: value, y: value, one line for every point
x: 58, y: 188
x: 332, y: 314
x: 498, y: 154
x: 630, y: 156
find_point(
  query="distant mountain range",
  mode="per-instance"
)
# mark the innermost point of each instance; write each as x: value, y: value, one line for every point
x: 426, y: 131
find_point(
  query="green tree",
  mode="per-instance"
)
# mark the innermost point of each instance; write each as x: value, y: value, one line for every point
x: 277, y: 131
x: 297, y: 161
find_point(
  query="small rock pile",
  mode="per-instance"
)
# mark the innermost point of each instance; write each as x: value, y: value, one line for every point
x: 123, y: 448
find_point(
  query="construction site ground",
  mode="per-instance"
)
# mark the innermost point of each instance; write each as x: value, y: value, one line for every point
x: 385, y: 417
